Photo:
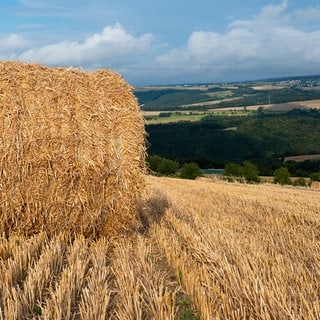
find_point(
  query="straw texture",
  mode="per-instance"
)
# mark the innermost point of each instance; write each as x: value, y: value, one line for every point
x: 72, y: 147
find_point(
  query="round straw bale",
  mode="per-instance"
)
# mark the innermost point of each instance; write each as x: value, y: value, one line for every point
x: 72, y: 147
x: 315, y: 184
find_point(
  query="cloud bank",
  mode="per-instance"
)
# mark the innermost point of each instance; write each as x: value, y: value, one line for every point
x: 114, y: 47
x: 275, y: 42
x: 266, y: 45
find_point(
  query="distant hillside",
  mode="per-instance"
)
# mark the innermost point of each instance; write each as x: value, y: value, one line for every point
x: 197, y: 97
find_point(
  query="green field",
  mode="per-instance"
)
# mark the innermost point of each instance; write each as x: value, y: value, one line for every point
x: 174, y: 117
x: 171, y: 117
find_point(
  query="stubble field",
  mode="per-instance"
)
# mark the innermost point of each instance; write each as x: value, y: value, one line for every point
x: 202, y: 250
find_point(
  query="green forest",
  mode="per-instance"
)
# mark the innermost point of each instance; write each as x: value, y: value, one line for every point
x: 264, y: 139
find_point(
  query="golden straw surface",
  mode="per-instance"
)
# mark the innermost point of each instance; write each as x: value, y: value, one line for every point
x: 72, y: 147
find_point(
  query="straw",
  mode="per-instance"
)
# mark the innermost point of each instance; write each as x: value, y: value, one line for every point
x: 72, y: 147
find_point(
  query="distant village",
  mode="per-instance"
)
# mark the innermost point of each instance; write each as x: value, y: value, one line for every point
x: 311, y: 81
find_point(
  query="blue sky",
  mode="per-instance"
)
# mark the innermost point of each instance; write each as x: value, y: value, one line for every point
x: 166, y: 42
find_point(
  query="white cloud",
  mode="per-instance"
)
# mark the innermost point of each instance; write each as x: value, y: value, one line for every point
x: 266, y: 45
x: 307, y: 15
x: 269, y: 15
x: 111, y: 48
x: 11, y: 45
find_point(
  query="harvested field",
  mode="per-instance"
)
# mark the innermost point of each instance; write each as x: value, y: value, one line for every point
x: 65, y: 278
x: 204, y: 250
x: 315, y: 185
x: 308, y: 104
x: 268, y: 87
x: 302, y: 158
x: 281, y: 107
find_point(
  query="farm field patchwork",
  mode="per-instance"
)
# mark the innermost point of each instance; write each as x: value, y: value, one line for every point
x: 154, y: 117
x: 203, y: 249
